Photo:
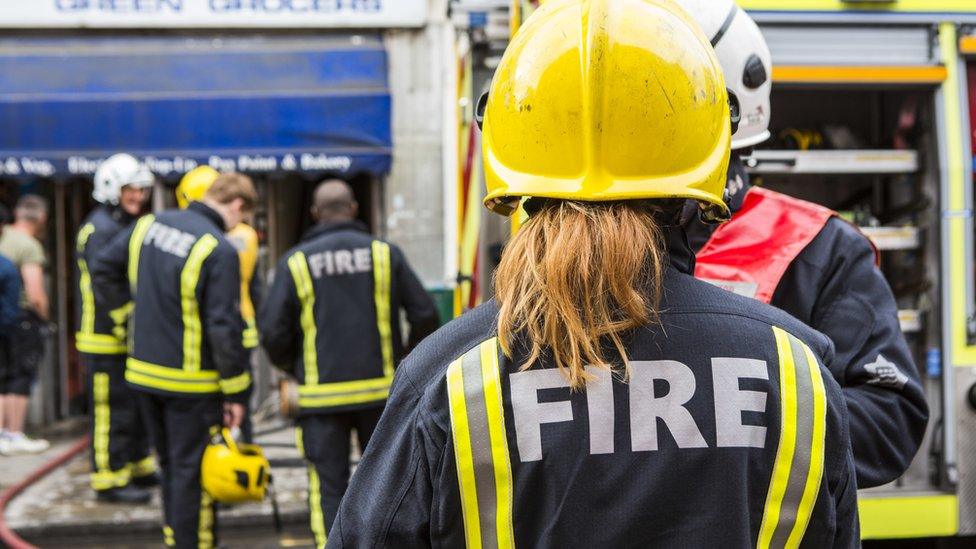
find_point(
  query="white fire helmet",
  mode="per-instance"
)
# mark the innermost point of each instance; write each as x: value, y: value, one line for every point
x: 116, y: 172
x: 746, y: 62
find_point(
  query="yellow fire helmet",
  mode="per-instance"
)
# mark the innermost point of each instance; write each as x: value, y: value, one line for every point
x: 234, y: 473
x: 604, y: 100
x: 194, y: 185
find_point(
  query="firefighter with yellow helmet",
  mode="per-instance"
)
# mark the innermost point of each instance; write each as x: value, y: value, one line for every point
x: 186, y: 362
x: 606, y: 397
x: 192, y: 187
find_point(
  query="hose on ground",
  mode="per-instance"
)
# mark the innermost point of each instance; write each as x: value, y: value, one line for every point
x: 8, y: 536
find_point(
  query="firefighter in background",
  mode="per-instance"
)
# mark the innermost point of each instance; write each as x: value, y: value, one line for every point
x: 192, y: 187
x: 186, y: 358
x: 122, y: 466
x: 804, y: 259
x: 332, y: 319
x: 608, y: 398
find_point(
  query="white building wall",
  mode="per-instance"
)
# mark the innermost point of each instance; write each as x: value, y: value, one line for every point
x: 421, y: 62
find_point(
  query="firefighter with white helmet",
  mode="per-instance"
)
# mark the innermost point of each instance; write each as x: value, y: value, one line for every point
x: 606, y: 397
x: 806, y: 260
x: 122, y: 466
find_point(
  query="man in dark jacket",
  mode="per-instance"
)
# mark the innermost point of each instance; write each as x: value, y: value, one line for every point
x: 331, y: 318
x: 121, y: 463
x: 186, y: 355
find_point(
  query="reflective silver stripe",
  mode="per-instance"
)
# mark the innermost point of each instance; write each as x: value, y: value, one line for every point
x: 484, y: 470
x: 798, y: 469
x: 801, y: 456
x: 481, y: 447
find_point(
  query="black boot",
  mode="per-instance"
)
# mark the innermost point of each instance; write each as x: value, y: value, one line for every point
x: 147, y: 481
x: 125, y: 494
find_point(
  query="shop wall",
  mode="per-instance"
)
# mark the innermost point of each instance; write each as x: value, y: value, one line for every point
x: 413, y: 198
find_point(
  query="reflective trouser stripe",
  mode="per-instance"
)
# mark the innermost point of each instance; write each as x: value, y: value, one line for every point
x: 144, y: 467
x: 189, y: 279
x: 135, y: 249
x: 103, y: 477
x: 481, y: 447
x: 300, y: 274
x: 205, y: 531
x: 316, y: 516
x: 381, y: 296
x: 168, y: 538
x: 84, y: 282
x: 798, y: 469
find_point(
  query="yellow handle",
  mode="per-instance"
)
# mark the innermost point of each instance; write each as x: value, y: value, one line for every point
x: 231, y: 443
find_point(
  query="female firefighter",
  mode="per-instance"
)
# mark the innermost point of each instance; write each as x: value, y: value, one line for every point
x: 607, y: 398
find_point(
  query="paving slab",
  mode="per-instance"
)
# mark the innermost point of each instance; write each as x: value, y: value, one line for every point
x: 63, y: 507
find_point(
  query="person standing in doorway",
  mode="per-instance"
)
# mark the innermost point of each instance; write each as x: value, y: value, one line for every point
x: 122, y: 466
x: 332, y: 318
x: 19, y: 243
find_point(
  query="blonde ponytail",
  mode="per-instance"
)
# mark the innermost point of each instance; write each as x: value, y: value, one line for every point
x: 576, y: 276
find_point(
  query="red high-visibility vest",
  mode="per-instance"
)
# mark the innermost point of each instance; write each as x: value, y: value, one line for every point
x: 750, y: 254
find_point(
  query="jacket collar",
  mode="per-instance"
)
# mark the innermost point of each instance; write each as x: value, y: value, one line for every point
x: 680, y: 255
x: 209, y: 213
x: 325, y: 228
x: 118, y: 214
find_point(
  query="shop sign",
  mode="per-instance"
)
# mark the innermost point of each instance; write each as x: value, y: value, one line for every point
x: 26, y: 166
x: 212, y: 13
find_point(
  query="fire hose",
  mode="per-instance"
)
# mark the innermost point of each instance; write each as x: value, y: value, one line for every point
x: 8, y: 536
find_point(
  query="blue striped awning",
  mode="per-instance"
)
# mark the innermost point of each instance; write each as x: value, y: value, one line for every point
x: 295, y: 103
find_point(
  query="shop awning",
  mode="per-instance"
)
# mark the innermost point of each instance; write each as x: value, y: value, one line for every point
x: 258, y: 104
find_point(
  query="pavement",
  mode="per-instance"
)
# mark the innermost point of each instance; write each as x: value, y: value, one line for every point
x: 60, y: 510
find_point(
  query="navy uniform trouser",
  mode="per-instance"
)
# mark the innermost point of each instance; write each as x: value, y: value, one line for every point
x: 180, y: 428
x: 119, y: 442
x: 324, y: 440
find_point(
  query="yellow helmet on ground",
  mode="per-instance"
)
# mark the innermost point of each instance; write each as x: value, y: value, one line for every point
x: 234, y: 473
x: 602, y: 100
x: 194, y: 185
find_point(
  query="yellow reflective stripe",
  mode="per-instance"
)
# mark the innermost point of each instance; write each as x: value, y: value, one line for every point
x: 381, y: 296
x: 120, y: 318
x: 102, y: 413
x: 189, y: 279
x: 316, y: 516
x: 144, y: 467
x: 299, y: 442
x: 196, y: 387
x: 110, y: 479
x: 499, y: 443
x: 166, y: 372
x: 168, y: 538
x: 135, y: 248
x: 84, y: 281
x: 205, y: 535
x: 250, y: 338
x: 787, y: 440
x: 815, y: 473
x: 99, y: 344
x: 298, y: 266
x: 346, y: 386
x: 463, y: 455
x: 235, y: 384
x: 343, y: 400
x: 798, y: 468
